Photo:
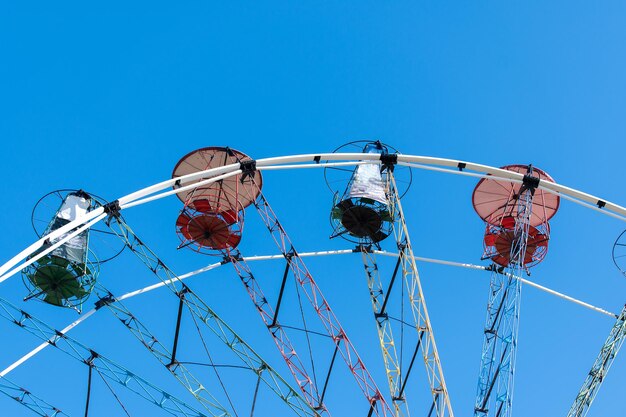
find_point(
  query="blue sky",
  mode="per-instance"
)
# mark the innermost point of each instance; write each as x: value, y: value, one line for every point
x: 109, y: 97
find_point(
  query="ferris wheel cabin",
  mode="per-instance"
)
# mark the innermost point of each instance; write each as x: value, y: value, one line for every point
x: 65, y: 276
x: 513, y: 211
x: 362, y: 213
x: 212, y: 216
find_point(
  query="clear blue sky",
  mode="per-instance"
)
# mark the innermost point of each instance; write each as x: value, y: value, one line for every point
x: 108, y: 97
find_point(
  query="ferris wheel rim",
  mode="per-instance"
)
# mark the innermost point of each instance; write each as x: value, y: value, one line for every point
x: 129, y: 200
x: 235, y: 170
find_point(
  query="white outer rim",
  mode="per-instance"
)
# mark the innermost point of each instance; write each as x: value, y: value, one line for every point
x: 214, y: 174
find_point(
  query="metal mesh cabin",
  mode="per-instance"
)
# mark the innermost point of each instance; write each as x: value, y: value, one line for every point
x: 65, y: 276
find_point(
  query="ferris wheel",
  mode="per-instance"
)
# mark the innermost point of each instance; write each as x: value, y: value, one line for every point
x: 317, y: 366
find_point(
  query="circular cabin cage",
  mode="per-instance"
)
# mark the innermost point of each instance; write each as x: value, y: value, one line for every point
x: 59, y: 281
x: 212, y: 218
x: 361, y: 212
x: 205, y: 226
x: 619, y: 252
x: 499, y: 244
x: 513, y: 236
x: 65, y: 277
